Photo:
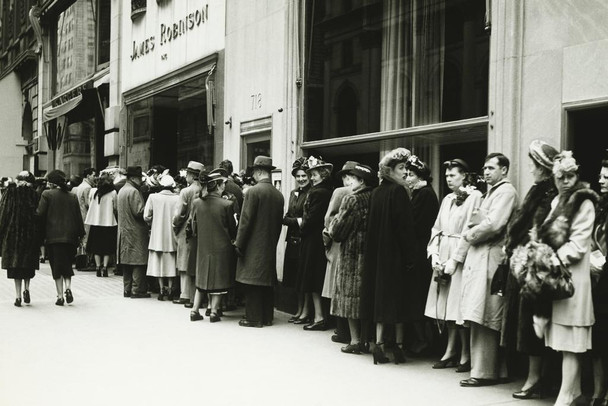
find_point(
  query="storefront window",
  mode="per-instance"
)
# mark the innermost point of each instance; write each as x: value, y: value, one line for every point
x: 392, y: 64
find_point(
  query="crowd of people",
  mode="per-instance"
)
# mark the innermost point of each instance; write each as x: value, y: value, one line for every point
x: 380, y: 255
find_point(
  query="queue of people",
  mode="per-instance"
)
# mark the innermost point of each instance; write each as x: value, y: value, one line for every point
x: 381, y: 254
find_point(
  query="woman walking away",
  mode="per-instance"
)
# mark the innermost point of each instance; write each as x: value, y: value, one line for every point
x: 159, y: 211
x: 213, y: 222
x: 390, y: 252
x: 448, y: 250
x: 102, y: 219
x: 59, y: 211
x: 348, y: 228
x: 19, y: 234
x: 292, y: 219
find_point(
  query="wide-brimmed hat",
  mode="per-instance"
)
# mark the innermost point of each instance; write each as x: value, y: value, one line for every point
x: 167, y: 181
x: 300, y: 164
x: 134, y: 171
x: 364, y: 172
x: 347, y: 167
x: 264, y: 162
x: 318, y: 163
x: 461, y: 163
x: 542, y: 153
x: 195, y: 167
x: 212, y: 176
x: 222, y: 171
x: 57, y: 177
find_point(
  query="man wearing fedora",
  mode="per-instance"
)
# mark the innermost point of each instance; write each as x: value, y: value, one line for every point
x: 132, y: 248
x: 184, y: 245
x: 256, y: 243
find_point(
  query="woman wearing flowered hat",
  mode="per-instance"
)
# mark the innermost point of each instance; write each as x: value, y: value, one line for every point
x: 313, y: 263
x: 162, y: 247
x: 389, y: 255
x: 295, y: 210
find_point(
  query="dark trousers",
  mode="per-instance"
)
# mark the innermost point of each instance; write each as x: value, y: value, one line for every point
x: 134, y: 278
x: 259, y: 303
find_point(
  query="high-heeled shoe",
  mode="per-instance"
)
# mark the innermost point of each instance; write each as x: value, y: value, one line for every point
x: 399, y: 354
x: 18, y: 302
x: 305, y: 320
x: 195, y: 316
x: 351, y: 349
x: 104, y: 272
x: 68, y: 296
x: 451, y: 362
x: 466, y: 367
x: 532, y: 392
x: 292, y: 319
x: 379, y: 355
x: 98, y: 273
x: 59, y: 301
x: 26, y: 296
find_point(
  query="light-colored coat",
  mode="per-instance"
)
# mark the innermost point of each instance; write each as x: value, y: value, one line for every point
x: 447, y: 243
x: 132, y: 248
x: 101, y: 213
x: 83, y: 192
x: 159, y: 211
x: 184, y: 246
x: 484, y: 255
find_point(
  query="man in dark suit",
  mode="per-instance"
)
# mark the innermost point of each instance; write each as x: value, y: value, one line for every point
x: 256, y: 243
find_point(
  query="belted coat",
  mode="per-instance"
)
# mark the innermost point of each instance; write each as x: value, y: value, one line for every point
x: 132, y: 247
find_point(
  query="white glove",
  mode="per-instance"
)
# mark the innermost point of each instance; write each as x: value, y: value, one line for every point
x: 450, y: 267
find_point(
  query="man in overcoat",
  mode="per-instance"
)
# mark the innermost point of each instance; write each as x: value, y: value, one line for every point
x: 256, y: 243
x: 184, y: 245
x: 132, y: 247
x: 481, y: 310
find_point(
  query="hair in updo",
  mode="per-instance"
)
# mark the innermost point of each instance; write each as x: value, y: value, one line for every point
x: 324, y: 173
x: 392, y: 159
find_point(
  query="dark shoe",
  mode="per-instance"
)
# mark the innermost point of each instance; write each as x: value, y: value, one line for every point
x: 140, y: 295
x: 399, y: 354
x: 220, y: 312
x: 466, y: 367
x: 477, y: 382
x: 292, y: 319
x: 379, y: 355
x: 98, y: 272
x: 126, y: 294
x: 59, y: 301
x: 42, y: 260
x: 247, y: 323
x: 337, y: 339
x: 162, y: 296
x: 305, y: 320
x: 104, y: 272
x: 26, y: 296
x: 18, y: 302
x: 267, y: 323
x: 189, y: 305
x: 446, y: 363
x: 599, y: 402
x: 68, y: 296
x: 181, y: 301
x: 214, y: 318
x: 195, y: 316
x: 316, y: 326
x: 208, y: 312
x: 351, y: 349
x: 533, y: 391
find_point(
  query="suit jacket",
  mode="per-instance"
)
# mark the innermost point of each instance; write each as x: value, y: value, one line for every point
x: 258, y: 234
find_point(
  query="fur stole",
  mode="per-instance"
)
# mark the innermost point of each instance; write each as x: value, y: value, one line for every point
x: 556, y: 230
x: 533, y: 211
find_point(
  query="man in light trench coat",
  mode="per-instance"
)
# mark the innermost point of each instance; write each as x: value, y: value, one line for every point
x: 481, y: 310
x: 132, y: 247
x: 256, y: 245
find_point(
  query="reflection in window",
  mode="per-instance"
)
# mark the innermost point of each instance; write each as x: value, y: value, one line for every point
x: 410, y: 62
x: 346, y: 111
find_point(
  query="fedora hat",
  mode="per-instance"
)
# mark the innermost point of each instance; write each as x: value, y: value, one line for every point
x: 134, y: 171
x: 195, y: 167
x: 213, y: 176
x: 318, y: 163
x: 221, y: 171
x: 262, y: 161
x: 346, y: 168
x: 364, y: 172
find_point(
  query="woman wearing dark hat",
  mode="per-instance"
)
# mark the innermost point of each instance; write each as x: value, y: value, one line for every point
x: 214, y: 224
x: 389, y: 255
x: 59, y: 211
x: 426, y: 207
x: 295, y: 210
x: 517, y: 332
x: 348, y: 228
x: 313, y: 262
x: 19, y: 233
x: 448, y: 251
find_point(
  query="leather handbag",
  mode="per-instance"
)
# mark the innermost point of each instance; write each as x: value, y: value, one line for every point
x: 499, y: 280
x: 81, y: 259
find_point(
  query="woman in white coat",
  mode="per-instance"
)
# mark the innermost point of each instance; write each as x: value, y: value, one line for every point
x: 159, y: 211
x: 101, y: 218
x: 448, y: 251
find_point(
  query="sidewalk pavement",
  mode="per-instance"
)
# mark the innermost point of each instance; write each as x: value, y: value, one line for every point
x: 107, y: 350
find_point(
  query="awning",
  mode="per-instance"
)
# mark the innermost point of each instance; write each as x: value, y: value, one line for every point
x: 53, y: 112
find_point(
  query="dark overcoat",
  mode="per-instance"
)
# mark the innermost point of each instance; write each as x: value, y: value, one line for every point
x: 215, y: 227
x: 295, y: 210
x: 390, y: 249
x: 426, y: 207
x: 313, y: 262
x: 348, y: 228
x: 133, y: 235
x: 19, y: 233
x: 258, y: 235
x: 60, y: 213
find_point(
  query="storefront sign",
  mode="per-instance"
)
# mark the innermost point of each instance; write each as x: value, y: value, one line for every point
x: 171, y: 32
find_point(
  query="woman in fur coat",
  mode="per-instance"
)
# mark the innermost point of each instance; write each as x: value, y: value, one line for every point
x: 18, y: 234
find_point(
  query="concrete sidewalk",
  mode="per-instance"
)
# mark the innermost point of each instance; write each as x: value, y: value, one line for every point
x: 107, y: 350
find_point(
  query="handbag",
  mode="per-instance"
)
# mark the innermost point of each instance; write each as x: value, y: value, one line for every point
x: 558, y: 282
x: 82, y: 259
x: 499, y: 280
